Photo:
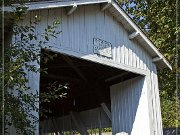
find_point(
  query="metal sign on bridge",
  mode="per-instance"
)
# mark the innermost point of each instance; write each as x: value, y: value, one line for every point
x: 102, y: 48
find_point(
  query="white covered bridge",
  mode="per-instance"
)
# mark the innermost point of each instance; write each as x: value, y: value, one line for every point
x: 111, y: 67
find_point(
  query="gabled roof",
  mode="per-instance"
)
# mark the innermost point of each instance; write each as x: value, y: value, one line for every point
x: 118, y: 13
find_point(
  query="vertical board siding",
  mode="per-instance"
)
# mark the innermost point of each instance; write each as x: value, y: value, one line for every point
x: 129, y: 106
x: 32, y: 77
x: 89, y: 118
x: 87, y: 22
x: 156, y: 101
x: 82, y: 36
x: 78, y: 31
x: 90, y: 33
x: 65, y: 31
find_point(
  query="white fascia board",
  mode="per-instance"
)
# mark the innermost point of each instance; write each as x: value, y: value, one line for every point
x: 133, y: 35
x: 54, y: 4
x: 137, y: 29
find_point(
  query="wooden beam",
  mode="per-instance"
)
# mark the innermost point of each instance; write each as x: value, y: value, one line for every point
x: 70, y: 62
x: 99, y: 119
x: 78, y: 123
x: 117, y: 76
x: 106, y: 110
x: 74, y: 7
x: 133, y: 35
x: 156, y: 59
x: 105, y: 6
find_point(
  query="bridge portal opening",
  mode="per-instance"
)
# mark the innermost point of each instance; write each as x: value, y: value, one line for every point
x: 85, y: 107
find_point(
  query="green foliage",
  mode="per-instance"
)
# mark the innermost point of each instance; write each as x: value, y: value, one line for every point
x: 169, y: 107
x: 55, y: 92
x: 21, y: 57
x: 158, y: 21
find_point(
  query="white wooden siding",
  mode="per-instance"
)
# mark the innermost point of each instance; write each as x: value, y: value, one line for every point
x: 156, y: 102
x: 87, y: 22
x: 129, y: 107
x: 78, y: 31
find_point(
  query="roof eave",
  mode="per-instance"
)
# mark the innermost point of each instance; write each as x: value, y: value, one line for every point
x: 53, y: 4
x: 149, y: 44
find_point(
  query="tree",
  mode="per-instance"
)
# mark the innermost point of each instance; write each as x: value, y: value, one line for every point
x: 158, y: 20
x: 20, y: 57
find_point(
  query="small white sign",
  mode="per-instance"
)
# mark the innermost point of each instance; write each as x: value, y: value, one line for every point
x: 102, y: 47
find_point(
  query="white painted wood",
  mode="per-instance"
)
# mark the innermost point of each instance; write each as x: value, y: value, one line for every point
x: 134, y: 119
x: 156, y: 101
x: 90, y: 31
x: 127, y: 47
x: 106, y: 110
x: 79, y: 29
x: 100, y: 124
x: 117, y: 12
x: 54, y: 4
x: 76, y: 30
x: 148, y: 44
x: 59, y: 18
x: 74, y: 7
x: 65, y: 30
x: 133, y: 35
x: 130, y: 53
x: 156, y: 59
x: 137, y: 60
x: 76, y: 39
x: 104, y: 7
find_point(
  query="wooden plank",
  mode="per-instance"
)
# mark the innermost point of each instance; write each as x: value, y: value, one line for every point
x: 157, y: 100
x: 126, y: 47
x: 106, y: 110
x: 65, y: 30
x: 126, y: 117
x: 58, y: 17
x: 50, y: 21
x: 100, y: 124
x: 83, y: 43
x: 100, y: 22
x: 53, y: 4
x: 73, y: 8
x: 71, y: 31
x: 81, y: 128
x: 76, y: 40
x: 156, y: 59
x: 133, y: 35
x: 105, y: 6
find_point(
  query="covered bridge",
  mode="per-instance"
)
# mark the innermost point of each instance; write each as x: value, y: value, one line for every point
x: 110, y: 64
